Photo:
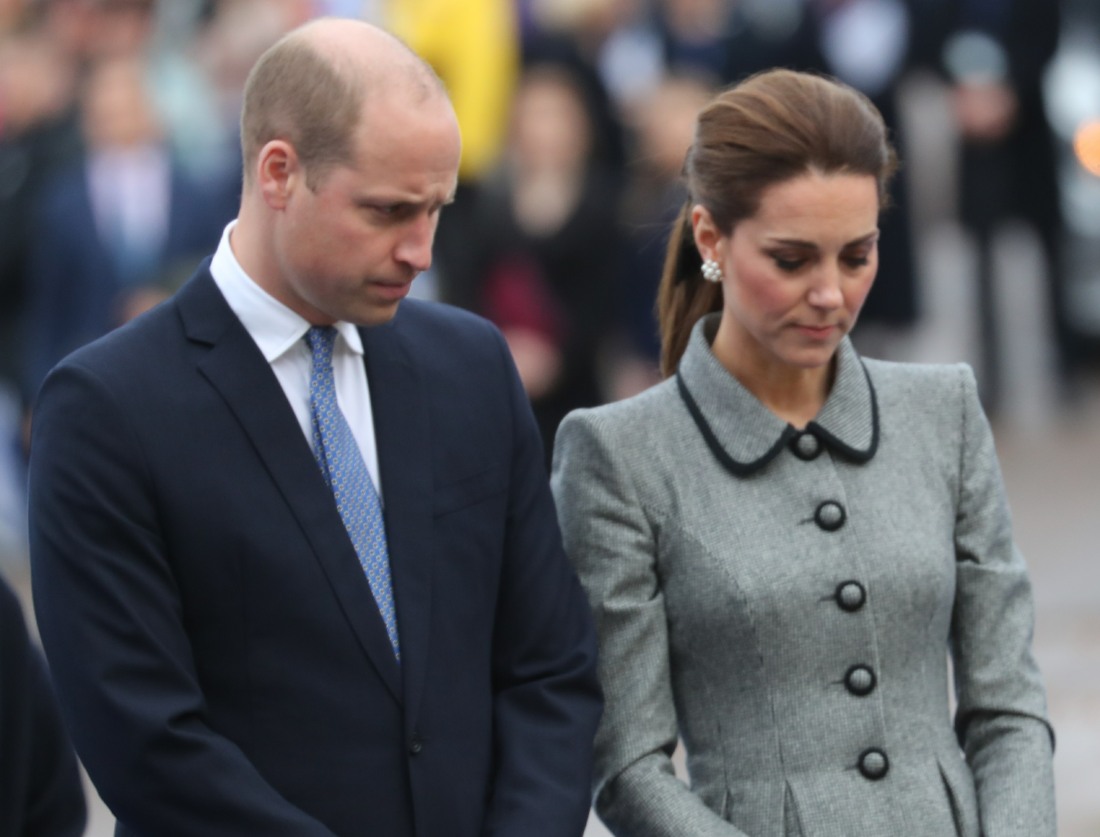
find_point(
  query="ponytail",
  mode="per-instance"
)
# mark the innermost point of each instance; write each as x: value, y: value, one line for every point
x: 683, y: 296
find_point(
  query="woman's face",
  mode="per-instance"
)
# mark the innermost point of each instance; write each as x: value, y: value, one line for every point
x: 795, y: 275
x: 550, y: 127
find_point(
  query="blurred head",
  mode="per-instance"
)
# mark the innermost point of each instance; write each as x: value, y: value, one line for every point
x: 771, y: 129
x: 696, y: 20
x: 116, y: 105
x: 36, y: 81
x: 551, y: 128
x: 120, y: 27
x: 664, y: 123
x: 351, y: 150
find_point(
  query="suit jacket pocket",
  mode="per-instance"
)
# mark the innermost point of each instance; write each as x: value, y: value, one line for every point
x: 475, y: 488
x: 958, y: 784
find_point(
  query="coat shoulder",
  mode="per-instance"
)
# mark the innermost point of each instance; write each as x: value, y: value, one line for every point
x: 912, y: 384
x: 633, y: 419
x: 926, y: 403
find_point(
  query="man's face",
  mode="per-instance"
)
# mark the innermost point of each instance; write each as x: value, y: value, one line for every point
x: 350, y: 247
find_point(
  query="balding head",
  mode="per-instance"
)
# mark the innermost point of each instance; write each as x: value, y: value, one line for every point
x: 313, y: 88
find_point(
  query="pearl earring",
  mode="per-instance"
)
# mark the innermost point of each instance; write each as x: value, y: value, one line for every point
x: 711, y: 271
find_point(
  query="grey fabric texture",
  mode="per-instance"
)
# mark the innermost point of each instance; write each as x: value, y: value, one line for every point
x: 713, y: 571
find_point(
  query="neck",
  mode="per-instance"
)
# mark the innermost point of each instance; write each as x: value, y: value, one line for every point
x: 794, y: 394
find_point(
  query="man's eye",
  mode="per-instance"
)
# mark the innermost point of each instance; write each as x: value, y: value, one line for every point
x: 390, y: 211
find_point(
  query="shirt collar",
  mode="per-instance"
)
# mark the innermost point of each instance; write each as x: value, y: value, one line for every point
x: 745, y: 435
x: 273, y: 326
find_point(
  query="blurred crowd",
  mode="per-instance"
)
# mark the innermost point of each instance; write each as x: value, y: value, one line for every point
x: 119, y: 162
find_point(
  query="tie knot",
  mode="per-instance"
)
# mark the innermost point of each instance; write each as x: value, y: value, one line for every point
x: 321, y: 340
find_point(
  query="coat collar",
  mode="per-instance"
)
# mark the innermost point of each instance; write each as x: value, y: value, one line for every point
x: 745, y: 435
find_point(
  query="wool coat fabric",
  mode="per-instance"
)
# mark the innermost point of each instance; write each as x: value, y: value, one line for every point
x: 785, y: 602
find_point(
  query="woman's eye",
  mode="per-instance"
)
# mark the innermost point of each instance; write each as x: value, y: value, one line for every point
x: 788, y: 265
x: 858, y: 258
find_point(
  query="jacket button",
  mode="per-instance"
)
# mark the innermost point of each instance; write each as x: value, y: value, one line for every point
x: 873, y: 764
x: 850, y: 596
x: 415, y: 745
x: 860, y: 680
x: 830, y: 515
x: 806, y: 446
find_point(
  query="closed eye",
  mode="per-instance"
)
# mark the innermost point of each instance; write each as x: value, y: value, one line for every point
x: 391, y: 210
x: 788, y: 265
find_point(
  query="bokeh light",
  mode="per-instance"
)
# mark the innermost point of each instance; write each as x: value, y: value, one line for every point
x: 1086, y: 145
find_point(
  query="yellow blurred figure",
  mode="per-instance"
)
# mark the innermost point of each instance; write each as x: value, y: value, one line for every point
x: 474, y: 47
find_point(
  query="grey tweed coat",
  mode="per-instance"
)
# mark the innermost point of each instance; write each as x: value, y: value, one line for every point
x: 785, y: 602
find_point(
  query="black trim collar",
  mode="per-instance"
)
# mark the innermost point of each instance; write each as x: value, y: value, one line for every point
x: 745, y: 436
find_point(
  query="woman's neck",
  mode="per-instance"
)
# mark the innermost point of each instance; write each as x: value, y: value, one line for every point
x: 794, y: 394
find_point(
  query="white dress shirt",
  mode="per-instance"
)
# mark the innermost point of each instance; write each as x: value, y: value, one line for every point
x: 131, y: 193
x: 280, y: 335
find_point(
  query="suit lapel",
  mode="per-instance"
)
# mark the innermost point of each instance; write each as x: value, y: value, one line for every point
x: 403, y: 433
x: 236, y: 368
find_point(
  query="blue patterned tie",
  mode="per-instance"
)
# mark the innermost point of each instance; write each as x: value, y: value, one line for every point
x: 346, y: 474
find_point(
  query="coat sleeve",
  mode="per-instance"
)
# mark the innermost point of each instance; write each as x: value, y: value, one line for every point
x: 613, y: 544
x: 1001, y: 718
x: 546, y: 696
x: 115, y: 633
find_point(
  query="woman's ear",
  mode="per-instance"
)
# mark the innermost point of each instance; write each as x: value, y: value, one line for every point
x: 706, y: 232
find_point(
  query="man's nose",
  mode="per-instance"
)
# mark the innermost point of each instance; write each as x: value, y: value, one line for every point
x: 415, y: 246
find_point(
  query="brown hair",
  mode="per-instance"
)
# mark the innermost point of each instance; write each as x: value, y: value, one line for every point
x: 295, y: 94
x: 772, y: 127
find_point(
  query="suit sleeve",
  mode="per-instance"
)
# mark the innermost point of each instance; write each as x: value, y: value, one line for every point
x: 613, y: 544
x: 115, y: 632
x: 546, y: 696
x: 1001, y: 717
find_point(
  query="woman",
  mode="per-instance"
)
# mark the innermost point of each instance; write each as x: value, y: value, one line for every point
x: 781, y: 540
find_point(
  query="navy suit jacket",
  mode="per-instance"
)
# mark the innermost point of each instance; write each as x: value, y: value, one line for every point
x: 215, y: 645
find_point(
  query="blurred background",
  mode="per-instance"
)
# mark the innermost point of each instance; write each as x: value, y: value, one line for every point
x: 119, y: 167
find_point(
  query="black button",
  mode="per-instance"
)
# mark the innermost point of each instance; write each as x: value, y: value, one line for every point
x: 830, y: 515
x: 415, y: 745
x: 850, y: 595
x: 806, y: 446
x: 860, y: 680
x: 873, y: 764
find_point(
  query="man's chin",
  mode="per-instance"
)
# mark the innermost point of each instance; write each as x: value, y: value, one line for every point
x: 378, y: 314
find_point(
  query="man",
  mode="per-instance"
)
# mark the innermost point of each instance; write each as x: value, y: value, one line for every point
x: 240, y: 652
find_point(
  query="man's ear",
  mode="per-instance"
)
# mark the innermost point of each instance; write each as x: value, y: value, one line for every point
x: 278, y: 172
x: 706, y: 232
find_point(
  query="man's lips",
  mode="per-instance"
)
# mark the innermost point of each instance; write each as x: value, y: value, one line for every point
x: 392, y: 290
